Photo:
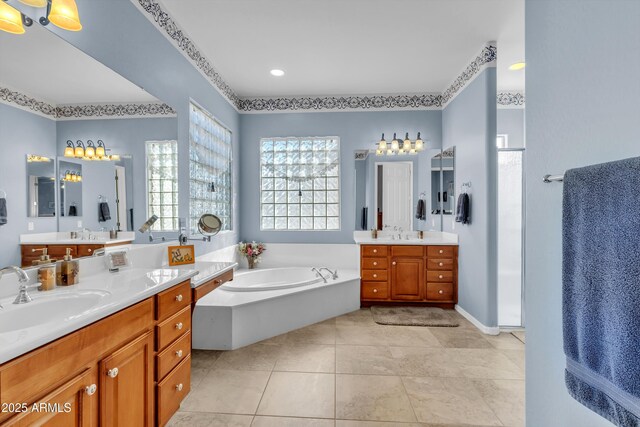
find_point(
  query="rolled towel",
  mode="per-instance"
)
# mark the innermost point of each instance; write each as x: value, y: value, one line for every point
x: 420, y: 210
x: 103, y: 212
x: 73, y: 210
x: 3, y: 211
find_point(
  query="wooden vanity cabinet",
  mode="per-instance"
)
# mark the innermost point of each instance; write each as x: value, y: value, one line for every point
x: 30, y: 253
x: 425, y: 275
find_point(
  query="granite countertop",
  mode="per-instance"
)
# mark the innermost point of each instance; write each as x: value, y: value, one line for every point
x: 206, y: 270
x: 430, y: 238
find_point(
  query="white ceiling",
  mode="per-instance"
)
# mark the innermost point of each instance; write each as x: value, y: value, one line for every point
x: 351, y: 47
x: 40, y: 64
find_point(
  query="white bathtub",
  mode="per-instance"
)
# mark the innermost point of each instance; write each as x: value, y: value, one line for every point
x: 270, y: 279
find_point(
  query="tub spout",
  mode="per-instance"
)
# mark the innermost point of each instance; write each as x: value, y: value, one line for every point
x: 334, y: 274
x: 318, y: 274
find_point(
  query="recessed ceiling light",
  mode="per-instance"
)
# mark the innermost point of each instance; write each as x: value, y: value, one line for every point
x: 516, y: 66
x: 277, y: 73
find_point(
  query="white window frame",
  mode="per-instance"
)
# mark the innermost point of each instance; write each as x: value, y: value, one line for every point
x: 227, y: 222
x: 300, y: 216
x: 158, y: 224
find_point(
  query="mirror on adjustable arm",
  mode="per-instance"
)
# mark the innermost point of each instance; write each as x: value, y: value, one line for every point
x: 208, y: 225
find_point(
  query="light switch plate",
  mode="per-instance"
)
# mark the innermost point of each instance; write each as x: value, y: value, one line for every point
x: 30, y: 226
x: 79, y: 223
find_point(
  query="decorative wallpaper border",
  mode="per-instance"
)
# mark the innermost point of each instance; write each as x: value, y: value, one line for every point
x: 163, y: 20
x: 375, y: 102
x: 510, y: 100
x: 88, y: 111
x: 487, y: 57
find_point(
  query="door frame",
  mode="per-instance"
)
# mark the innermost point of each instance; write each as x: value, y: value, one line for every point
x: 375, y: 194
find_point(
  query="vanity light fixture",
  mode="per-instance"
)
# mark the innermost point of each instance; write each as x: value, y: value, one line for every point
x: 382, y: 145
x: 395, y: 144
x: 101, y: 150
x: 61, y: 13
x: 90, y: 151
x: 277, y: 73
x: 419, y: 145
x: 67, y: 176
x: 517, y: 66
x: 79, y: 150
x: 32, y: 158
x: 399, y: 146
x: 68, y: 150
x: 406, y: 145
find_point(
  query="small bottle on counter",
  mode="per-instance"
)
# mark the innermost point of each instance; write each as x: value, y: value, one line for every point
x: 374, y: 233
x: 420, y: 234
x: 113, y: 234
x: 47, y: 277
x: 68, y: 271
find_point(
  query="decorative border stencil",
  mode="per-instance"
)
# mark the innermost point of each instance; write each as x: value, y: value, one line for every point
x: 487, y: 57
x: 184, y: 43
x: 510, y: 99
x: 430, y: 101
x: 90, y: 111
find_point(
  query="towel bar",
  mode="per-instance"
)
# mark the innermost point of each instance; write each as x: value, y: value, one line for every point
x: 552, y: 178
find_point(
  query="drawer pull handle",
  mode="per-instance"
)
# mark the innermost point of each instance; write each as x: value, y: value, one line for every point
x: 91, y: 389
x: 375, y: 291
x: 375, y: 251
x: 112, y: 373
x: 375, y: 275
x: 179, y: 297
x: 441, y: 292
x: 179, y: 326
x: 375, y: 262
x: 440, y: 276
x: 179, y: 387
x: 441, y: 264
x: 393, y: 263
x: 89, y: 250
x: 441, y: 251
x: 179, y: 353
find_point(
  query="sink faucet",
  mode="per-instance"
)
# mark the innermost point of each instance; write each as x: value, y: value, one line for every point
x: 334, y: 274
x: 23, y: 296
x: 324, y: 279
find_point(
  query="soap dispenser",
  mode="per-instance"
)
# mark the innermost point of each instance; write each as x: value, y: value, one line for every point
x: 44, y: 258
x: 68, y: 270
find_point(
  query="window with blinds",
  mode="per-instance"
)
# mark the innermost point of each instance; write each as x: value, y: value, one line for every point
x: 210, y: 169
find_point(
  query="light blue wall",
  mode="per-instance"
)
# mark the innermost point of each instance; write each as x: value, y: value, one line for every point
x: 122, y: 136
x: 469, y: 124
x: 117, y: 34
x: 21, y: 133
x: 583, y: 63
x: 357, y: 130
x: 511, y: 122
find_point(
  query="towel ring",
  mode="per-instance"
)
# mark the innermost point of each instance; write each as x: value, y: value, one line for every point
x: 3, y: 194
x: 101, y: 199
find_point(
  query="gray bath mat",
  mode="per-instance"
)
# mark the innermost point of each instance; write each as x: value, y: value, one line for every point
x: 413, y: 316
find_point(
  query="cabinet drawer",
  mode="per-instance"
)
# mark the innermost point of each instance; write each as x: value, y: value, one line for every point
x: 87, y: 250
x: 374, y: 263
x: 439, y: 276
x: 211, y: 285
x: 373, y: 250
x: 172, y: 390
x: 407, y: 251
x: 173, y: 355
x: 61, y: 250
x: 173, y: 300
x: 374, y: 275
x: 32, y: 250
x: 440, y: 251
x: 440, y: 291
x: 440, y: 264
x: 172, y: 328
x: 374, y: 290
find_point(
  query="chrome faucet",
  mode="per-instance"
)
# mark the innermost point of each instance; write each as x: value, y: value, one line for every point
x: 334, y: 274
x: 318, y: 274
x: 23, y: 296
x: 99, y: 252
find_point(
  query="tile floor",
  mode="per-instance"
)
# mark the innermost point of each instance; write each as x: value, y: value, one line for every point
x: 351, y: 372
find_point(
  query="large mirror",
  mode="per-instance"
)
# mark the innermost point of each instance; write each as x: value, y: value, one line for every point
x: 396, y: 192
x: 59, y: 191
x: 41, y: 186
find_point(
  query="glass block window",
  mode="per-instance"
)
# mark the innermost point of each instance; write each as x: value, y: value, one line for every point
x: 210, y: 169
x: 162, y: 184
x: 300, y: 184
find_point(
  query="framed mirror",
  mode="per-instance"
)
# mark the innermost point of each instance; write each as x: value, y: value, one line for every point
x: 41, y: 186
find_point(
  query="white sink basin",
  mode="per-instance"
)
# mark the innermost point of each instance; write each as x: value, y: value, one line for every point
x: 45, y: 309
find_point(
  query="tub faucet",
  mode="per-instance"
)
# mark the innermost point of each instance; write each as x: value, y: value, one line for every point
x: 318, y: 274
x: 334, y: 274
x: 23, y: 296
x: 99, y: 252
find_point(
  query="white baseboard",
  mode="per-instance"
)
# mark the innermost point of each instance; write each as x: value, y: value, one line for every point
x: 489, y: 330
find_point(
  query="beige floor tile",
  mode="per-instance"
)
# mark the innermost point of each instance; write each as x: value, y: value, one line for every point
x: 314, y: 334
x: 204, y: 419
x: 255, y: 357
x: 204, y: 358
x: 386, y: 335
x: 506, y: 398
x: 355, y: 423
x: 298, y: 394
x: 307, y: 358
x: 197, y: 375
x: 520, y: 335
x: 372, y: 397
x: 505, y: 341
x: 516, y: 356
x: 460, y: 338
x: 483, y: 363
x: 358, y: 359
x: 228, y: 391
x: 278, y: 339
x: 448, y: 401
x: 260, y: 421
x: 360, y: 317
x: 423, y: 362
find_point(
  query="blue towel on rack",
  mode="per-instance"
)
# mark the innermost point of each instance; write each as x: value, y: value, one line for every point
x: 3, y: 211
x: 601, y: 288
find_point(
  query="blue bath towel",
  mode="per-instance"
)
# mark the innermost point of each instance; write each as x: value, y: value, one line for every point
x: 601, y: 288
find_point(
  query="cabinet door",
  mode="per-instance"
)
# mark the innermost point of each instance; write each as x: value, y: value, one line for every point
x: 73, y: 404
x: 407, y: 279
x: 126, y: 385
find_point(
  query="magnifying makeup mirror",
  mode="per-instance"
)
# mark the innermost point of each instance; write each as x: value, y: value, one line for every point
x: 209, y: 225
